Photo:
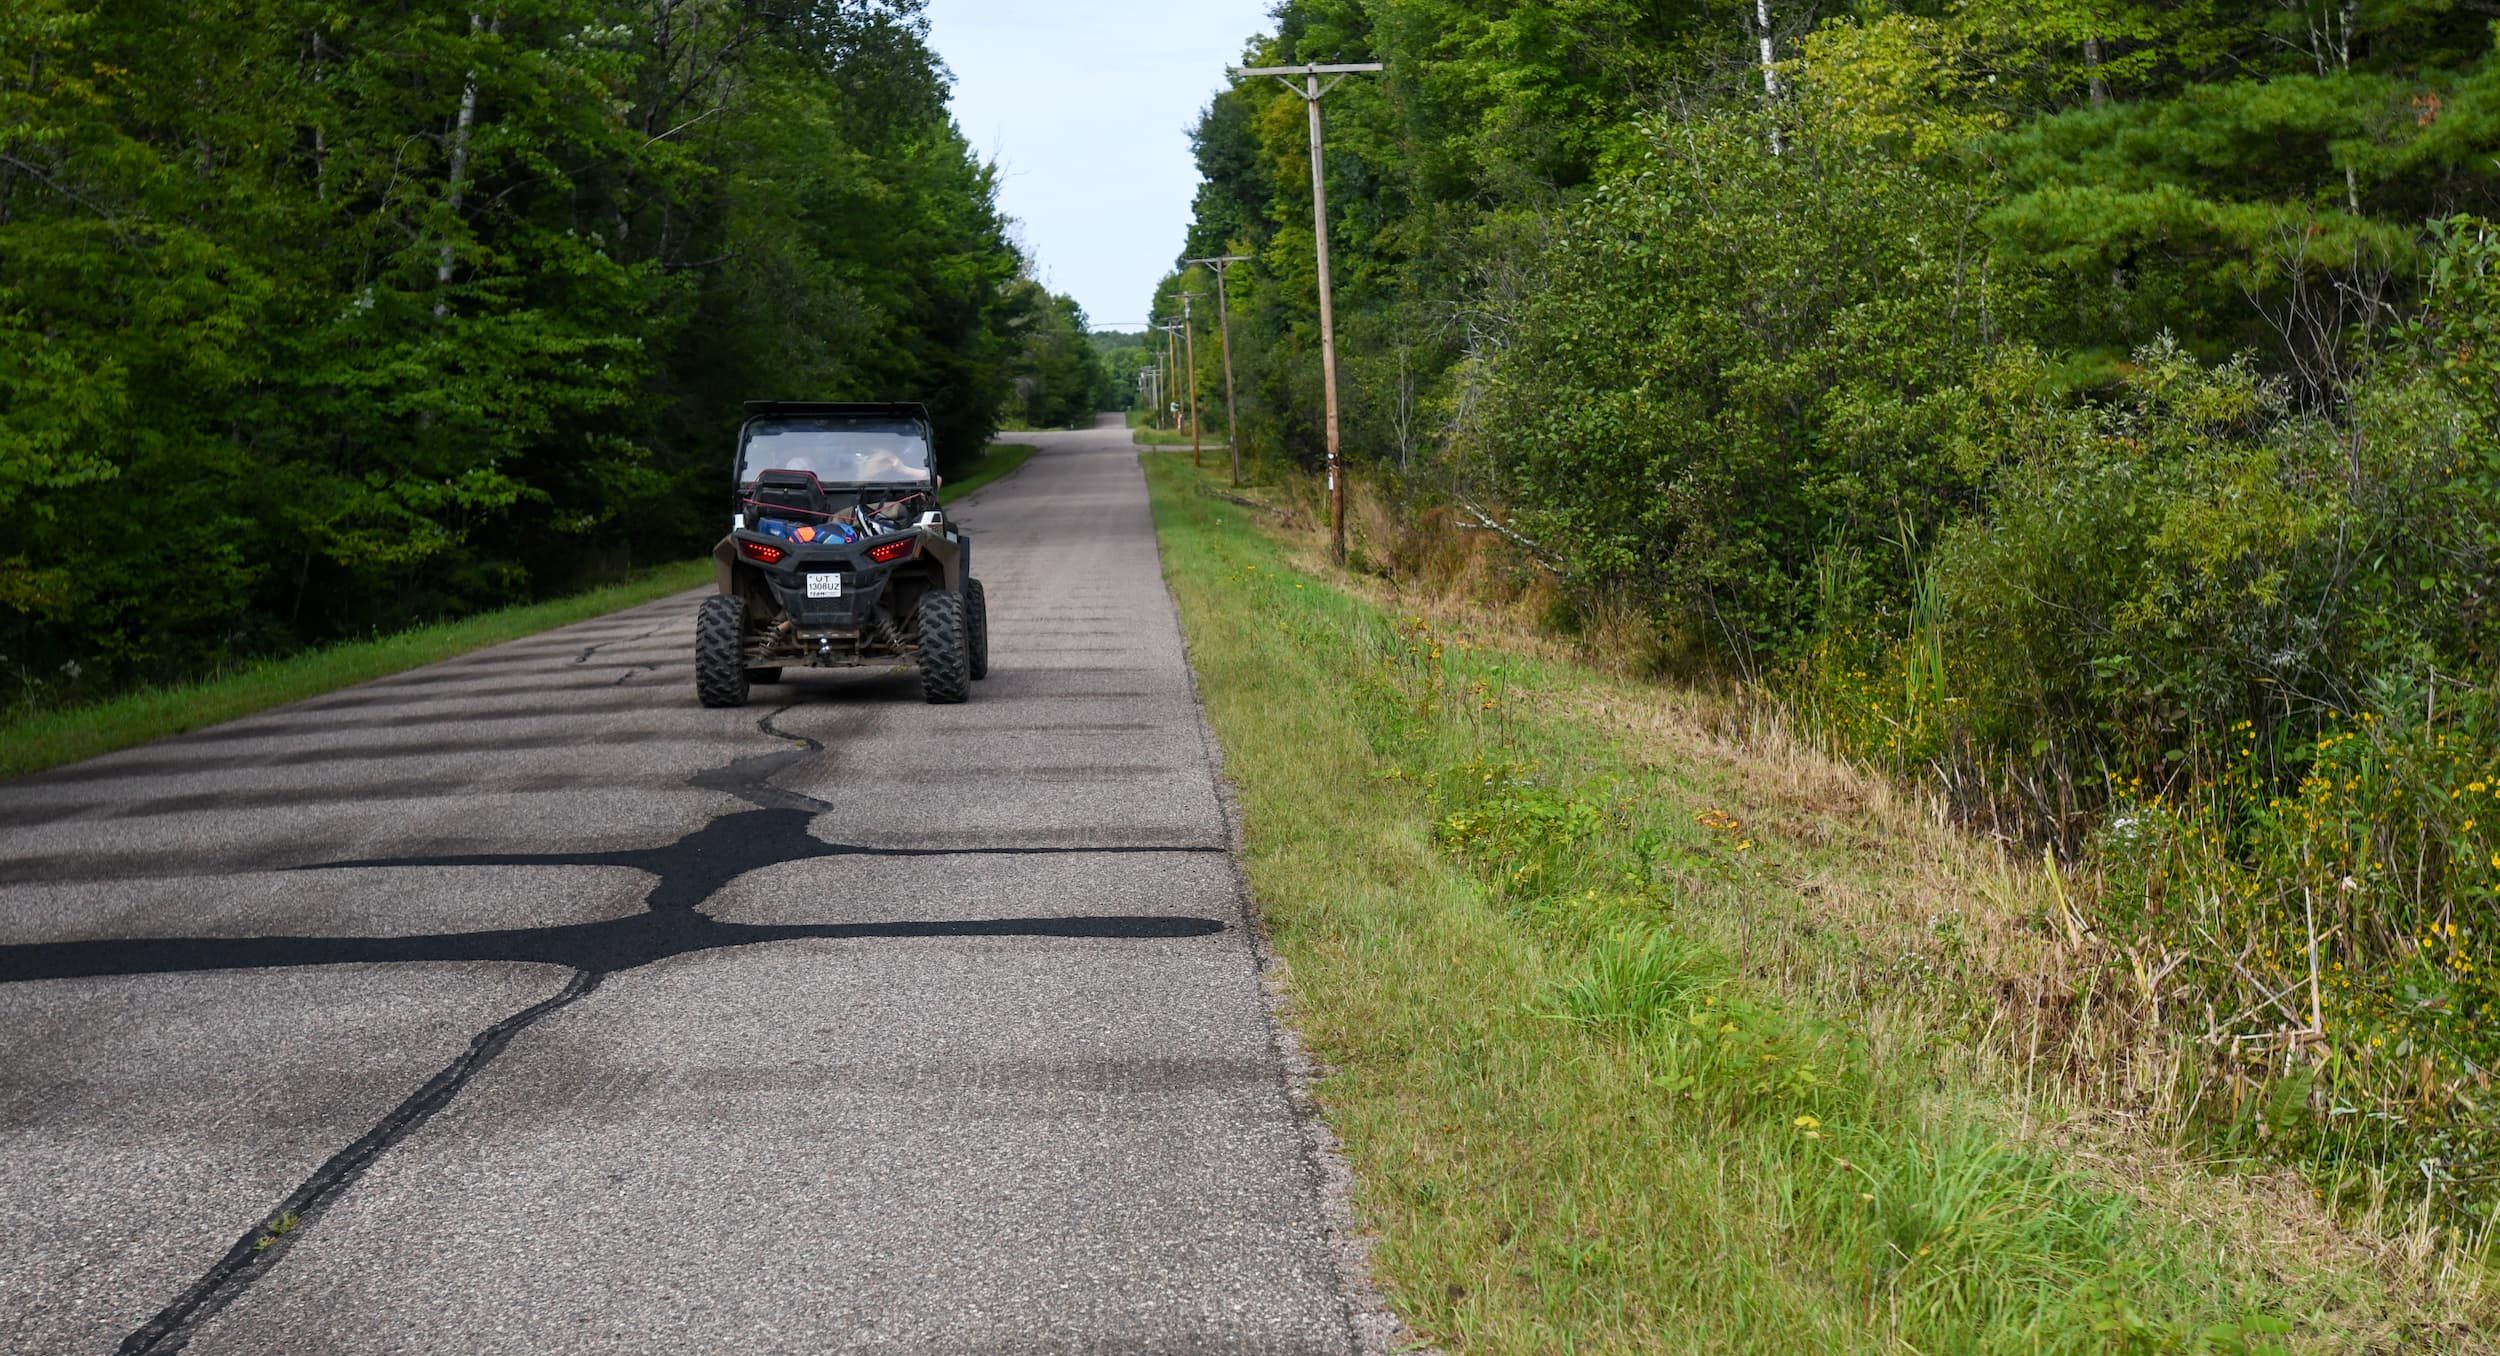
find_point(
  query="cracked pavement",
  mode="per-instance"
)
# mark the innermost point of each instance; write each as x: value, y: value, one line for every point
x: 518, y: 1004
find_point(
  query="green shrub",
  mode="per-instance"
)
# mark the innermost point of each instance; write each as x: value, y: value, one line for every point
x: 1730, y: 366
x: 2236, y: 637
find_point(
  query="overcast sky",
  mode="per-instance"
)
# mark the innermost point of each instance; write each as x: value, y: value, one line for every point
x: 1086, y: 106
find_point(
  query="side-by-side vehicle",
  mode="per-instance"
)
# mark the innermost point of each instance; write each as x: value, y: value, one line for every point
x: 839, y: 556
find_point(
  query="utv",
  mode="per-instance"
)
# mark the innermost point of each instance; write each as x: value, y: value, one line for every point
x: 838, y: 556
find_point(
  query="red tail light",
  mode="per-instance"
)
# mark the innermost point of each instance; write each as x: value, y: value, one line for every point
x: 760, y: 553
x: 893, y: 551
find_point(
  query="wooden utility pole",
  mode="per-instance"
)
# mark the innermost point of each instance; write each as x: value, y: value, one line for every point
x: 1224, y: 326
x: 1312, y: 91
x: 1189, y: 339
x: 1171, y: 362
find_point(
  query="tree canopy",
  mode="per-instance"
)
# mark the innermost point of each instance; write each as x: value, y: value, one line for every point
x: 2088, y: 404
x: 317, y: 318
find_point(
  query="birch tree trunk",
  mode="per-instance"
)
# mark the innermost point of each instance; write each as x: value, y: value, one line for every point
x: 1770, y: 71
x: 2343, y: 62
x: 454, y: 184
x: 2092, y: 66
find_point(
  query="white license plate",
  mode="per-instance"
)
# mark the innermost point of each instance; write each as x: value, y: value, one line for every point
x: 824, y: 586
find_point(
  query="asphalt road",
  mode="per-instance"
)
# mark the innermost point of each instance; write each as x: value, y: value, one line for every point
x: 518, y: 1004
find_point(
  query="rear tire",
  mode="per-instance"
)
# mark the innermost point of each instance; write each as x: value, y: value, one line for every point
x: 977, y: 611
x: 720, y: 671
x: 945, y: 649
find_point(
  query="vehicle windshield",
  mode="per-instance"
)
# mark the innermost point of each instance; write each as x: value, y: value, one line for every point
x: 836, y: 450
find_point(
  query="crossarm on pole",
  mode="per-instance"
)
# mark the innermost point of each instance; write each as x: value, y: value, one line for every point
x: 1240, y: 71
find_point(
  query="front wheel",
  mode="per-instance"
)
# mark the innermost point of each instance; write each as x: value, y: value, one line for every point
x: 720, y: 671
x: 977, y: 610
x: 945, y: 649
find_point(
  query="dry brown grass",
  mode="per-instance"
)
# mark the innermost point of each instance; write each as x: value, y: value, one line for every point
x: 2062, y: 1024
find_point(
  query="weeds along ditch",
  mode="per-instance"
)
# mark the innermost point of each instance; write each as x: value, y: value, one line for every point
x: 1864, y: 1105
x: 2304, y: 915
x: 2276, y: 945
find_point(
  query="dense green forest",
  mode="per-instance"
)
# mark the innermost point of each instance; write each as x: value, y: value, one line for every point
x: 2089, y: 406
x: 315, y: 319
x: 1124, y: 354
x: 1060, y: 379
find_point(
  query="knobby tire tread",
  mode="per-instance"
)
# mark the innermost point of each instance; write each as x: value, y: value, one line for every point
x: 945, y: 650
x: 720, y: 671
x: 977, y: 606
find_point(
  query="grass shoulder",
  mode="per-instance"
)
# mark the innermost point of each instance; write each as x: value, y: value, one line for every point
x: 1144, y: 433
x: 998, y: 461
x: 1617, y: 1071
x: 1172, y: 438
x: 48, y: 739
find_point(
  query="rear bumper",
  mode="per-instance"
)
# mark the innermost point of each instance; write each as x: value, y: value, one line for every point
x: 854, y: 609
x: 862, y: 581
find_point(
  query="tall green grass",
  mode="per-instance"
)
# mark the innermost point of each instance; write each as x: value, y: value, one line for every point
x: 1584, y: 1111
x: 998, y: 461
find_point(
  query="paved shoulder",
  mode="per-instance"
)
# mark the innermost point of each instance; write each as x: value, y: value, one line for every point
x: 519, y: 1005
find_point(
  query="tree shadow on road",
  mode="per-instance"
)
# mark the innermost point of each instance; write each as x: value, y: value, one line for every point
x: 686, y: 874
